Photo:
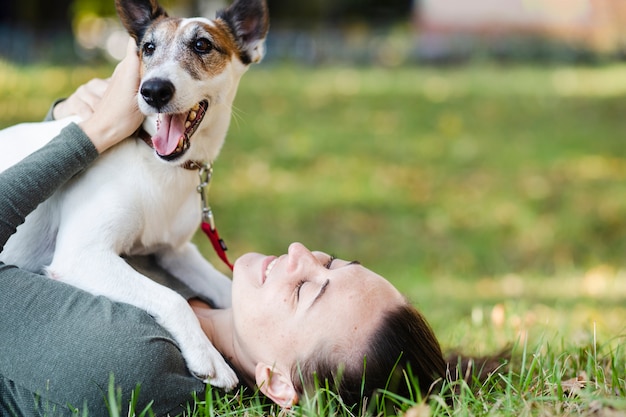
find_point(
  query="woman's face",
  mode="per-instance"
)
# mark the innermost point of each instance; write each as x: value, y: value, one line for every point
x: 286, y: 307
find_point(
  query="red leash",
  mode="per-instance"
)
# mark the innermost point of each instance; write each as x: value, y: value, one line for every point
x: 208, y: 222
x: 205, y: 171
x: 217, y: 242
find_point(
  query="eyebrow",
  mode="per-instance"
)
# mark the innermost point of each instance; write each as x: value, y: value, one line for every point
x: 325, y: 284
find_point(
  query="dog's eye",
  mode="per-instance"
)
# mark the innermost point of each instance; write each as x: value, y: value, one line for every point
x: 202, y: 45
x: 148, y: 48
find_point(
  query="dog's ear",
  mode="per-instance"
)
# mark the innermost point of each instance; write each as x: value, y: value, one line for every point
x: 137, y: 15
x: 249, y: 22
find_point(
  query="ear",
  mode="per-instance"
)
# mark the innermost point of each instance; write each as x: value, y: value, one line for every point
x: 137, y: 15
x: 249, y: 22
x: 275, y: 385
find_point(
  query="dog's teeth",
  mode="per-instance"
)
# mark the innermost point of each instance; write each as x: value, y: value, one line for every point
x: 187, y: 124
x: 179, y: 146
x: 192, y: 115
x: 196, y: 107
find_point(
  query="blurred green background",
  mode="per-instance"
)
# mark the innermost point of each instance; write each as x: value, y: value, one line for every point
x: 480, y: 182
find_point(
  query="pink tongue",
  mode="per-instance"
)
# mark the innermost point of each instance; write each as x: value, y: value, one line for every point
x: 169, y: 130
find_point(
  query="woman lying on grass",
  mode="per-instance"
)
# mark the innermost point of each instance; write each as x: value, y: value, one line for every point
x: 295, y: 318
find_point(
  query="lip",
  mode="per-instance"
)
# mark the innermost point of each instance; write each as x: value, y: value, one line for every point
x: 268, y: 260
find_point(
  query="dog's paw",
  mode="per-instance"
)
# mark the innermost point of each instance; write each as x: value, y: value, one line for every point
x: 209, y: 366
x: 223, y: 377
x: 202, y: 358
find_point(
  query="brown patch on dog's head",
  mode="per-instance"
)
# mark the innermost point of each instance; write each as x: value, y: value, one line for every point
x: 247, y: 22
x: 201, y: 47
x: 211, y: 49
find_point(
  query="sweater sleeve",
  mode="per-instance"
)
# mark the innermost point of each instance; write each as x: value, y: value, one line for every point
x: 30, y: 182
x: 50, y: 115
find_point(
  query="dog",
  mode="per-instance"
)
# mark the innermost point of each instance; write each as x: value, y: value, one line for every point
x: 138, y: 199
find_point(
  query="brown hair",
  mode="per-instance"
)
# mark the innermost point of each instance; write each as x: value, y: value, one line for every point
x: 403, y: 344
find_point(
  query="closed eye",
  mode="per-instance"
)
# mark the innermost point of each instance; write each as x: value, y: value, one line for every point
x: 298, y: 287
x: 330, y: 262
x: 320, y: 293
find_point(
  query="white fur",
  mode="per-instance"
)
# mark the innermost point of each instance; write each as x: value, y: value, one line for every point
x: 131, y: 202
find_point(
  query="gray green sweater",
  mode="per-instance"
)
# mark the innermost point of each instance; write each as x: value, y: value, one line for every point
x: 59, y: 345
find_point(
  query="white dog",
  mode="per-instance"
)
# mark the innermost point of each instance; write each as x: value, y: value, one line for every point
x: 138, y: 199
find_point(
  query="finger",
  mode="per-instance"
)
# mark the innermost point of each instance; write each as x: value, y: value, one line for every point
x: 84, y: 98
x: 85, y: 112
x: 97, y: 86
x: 131, y: 48
x: 130, y: 62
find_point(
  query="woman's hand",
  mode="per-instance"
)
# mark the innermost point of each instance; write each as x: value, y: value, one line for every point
x: 116, y: 114
x: 83, y: 101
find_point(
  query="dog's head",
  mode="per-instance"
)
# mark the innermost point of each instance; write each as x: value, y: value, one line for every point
x: 190, y: 71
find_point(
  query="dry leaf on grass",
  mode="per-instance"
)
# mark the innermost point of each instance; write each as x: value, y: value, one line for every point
x: 573, y: 386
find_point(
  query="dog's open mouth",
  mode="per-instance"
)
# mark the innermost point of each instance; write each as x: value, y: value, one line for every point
x: 174, y: 131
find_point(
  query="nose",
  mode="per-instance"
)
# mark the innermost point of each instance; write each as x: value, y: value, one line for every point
x: 157, y: 92
x: 300, y: 256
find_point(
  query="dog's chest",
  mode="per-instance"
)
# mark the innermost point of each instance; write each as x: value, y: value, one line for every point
x: 172, y: 223
x: 154, y: 203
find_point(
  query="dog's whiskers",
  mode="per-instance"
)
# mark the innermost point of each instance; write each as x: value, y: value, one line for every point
x: 236, y: 116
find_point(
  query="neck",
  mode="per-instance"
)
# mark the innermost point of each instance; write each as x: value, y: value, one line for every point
x: 217, y: 324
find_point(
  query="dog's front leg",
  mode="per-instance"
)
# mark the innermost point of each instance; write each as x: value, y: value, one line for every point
x: 105, y: 273
x: 188, y: 265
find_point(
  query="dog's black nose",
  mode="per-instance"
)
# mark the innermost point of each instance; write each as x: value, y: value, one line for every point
x: 157, y: 92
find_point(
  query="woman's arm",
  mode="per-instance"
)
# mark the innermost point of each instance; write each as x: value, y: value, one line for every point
x: 25, y: 185
x: 59, y: 344
x: 115, y: 117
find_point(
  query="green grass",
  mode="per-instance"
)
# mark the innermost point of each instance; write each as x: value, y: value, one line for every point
x: 493, y: 197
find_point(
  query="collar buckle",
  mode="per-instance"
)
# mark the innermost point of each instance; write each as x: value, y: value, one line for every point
x: 205, y: 172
